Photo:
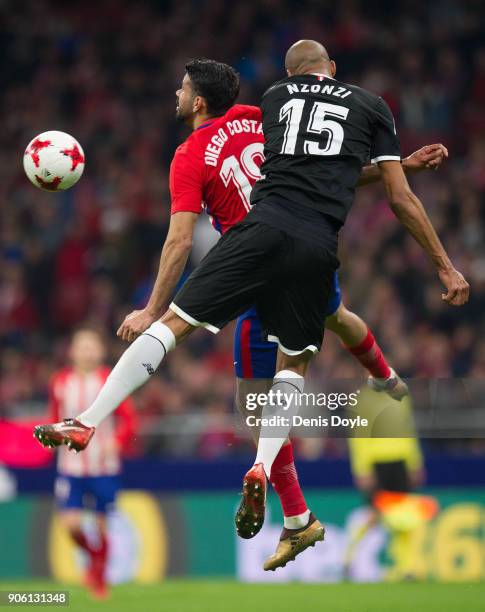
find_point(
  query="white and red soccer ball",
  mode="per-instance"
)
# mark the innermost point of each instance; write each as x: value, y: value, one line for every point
x: 54, y: 161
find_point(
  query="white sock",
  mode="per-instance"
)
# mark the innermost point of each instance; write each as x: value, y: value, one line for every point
x: 291, y: 384
x: 133, y: 369
x: 298, y: 521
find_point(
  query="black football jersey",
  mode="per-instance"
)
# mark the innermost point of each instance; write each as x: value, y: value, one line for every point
x: 319, y: 134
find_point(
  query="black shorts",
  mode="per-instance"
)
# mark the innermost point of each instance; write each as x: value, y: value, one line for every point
x: 287, y: 279
x: 390, y: 476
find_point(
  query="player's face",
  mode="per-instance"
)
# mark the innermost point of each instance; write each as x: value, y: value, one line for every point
x: 185, y: 100
x: 87, y: 351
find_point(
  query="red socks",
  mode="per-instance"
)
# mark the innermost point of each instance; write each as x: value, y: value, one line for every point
x: 78, y: 536
x: 98, y: 557
x: 285, y: 482
x: 370, y: 356
x: 97, y: 570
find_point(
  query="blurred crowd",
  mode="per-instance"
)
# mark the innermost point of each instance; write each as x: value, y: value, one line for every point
x: 107, y: 72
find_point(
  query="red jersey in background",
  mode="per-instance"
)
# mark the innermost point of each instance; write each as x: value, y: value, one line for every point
x: 70, y: 393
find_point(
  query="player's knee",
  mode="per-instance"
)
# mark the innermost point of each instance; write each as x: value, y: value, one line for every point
x: 295, y: 363
x: 178, y: 326
x: 101, y: 523
x: 338, y: 319
x: 71, y: 521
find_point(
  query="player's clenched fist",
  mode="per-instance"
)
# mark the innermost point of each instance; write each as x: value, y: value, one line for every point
x: 455, y: 283
x: 135, y: 324
x: 430, y: 156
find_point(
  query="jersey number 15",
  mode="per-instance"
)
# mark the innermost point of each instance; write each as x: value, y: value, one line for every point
x: 292, y: 113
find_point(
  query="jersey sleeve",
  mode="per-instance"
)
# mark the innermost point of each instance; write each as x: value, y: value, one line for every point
x: 385, y: 142
x: 186, y: 181
x: 254, y: 112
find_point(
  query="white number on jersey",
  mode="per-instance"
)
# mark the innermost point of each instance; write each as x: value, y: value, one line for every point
x: 239, y: 171
x: 292, y: 113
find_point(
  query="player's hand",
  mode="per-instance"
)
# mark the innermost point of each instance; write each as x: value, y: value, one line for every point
x: 429, y: 157
x: 455, y: 283
x: 135, y: 324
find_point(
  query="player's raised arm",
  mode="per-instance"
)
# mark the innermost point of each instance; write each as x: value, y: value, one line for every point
x: 429, y: 157
x: 175, y: 253
x: 409, y: 210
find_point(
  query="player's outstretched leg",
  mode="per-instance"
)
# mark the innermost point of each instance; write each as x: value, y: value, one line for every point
x: 359, y: 341
x: 134, y: 368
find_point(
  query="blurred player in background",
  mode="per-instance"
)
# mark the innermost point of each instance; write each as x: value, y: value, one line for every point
x: 216, y: 168
x: 89, y: 482
x: 387, y: 470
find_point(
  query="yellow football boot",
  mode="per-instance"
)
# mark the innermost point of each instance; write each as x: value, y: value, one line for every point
x: 295, y: 541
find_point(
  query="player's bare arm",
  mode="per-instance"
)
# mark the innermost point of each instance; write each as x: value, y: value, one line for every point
x: 429, y: 157
x: 409, y: 210
x: 175, y: 253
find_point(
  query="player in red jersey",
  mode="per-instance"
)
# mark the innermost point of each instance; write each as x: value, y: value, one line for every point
x: 215, y: 169
x: 91, y: 480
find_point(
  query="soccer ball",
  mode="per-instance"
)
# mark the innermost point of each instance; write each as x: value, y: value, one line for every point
x: 54, y: 161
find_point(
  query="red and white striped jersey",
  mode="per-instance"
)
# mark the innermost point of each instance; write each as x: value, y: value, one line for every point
x: 70, y: 394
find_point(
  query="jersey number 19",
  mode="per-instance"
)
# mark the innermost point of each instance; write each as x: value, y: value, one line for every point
x: 240, y: 171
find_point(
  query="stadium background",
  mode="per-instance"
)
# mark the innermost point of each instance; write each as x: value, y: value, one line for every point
x: 107, y: 72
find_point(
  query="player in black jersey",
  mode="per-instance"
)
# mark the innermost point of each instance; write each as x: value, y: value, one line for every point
x: 282, y: 256
x: 319, y: 133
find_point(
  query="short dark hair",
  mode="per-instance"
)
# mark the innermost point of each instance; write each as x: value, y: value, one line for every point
x: 216, y: 82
